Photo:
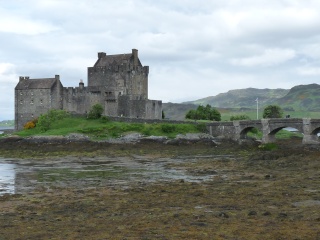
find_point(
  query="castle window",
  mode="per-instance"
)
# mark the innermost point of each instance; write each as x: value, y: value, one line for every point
x: 32, y: 93
x: 21, y: 93
x: 41, y: 102
x: 21, y: 102
x: 31, y: 101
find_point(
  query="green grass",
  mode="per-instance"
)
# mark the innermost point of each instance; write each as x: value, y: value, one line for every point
x: 97, y: 129
x: 282, y: 134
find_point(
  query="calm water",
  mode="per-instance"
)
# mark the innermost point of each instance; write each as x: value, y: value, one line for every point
x: 5, y: 128
x: 21, y: 176
x: 7, y: 178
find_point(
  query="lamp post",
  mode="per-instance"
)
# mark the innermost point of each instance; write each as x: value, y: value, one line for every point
x: 257, y: 100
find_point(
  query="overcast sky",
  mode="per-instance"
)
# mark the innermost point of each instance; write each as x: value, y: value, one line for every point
x: 195, y: 48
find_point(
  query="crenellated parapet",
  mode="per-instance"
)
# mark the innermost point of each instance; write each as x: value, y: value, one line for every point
x: 122, y: 68
x: 22, y: 78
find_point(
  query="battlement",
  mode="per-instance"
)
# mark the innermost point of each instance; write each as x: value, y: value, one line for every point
x: 21, y: 78
x: 120, y: 68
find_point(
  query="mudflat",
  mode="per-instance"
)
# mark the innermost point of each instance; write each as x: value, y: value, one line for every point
x: 152, y: 190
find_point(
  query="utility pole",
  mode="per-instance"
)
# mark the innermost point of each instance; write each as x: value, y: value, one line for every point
x: 257, y: 100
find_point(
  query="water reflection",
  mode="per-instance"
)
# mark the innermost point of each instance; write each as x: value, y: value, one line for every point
x: 7, y: 178
x: 22, y: 176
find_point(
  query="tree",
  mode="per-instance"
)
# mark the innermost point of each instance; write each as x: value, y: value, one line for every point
x: 272, y: 111
x: 95, y: 111
x: 205, y: 113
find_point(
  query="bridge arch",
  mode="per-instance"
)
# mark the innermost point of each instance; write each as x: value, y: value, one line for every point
x: 238, y: 130
x: 244, y: 131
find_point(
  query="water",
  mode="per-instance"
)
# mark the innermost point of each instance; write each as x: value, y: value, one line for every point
x: 5, y: 128
x: 24, y: 175
x: 7, y: 178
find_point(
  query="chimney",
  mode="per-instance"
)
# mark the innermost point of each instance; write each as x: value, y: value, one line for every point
x: 57, y: 77
x: 135, y: 57
x: 81, y: 84
x: 101, y: 54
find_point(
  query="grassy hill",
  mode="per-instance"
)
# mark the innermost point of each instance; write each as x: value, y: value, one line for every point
x: 299, y: 101
x: 242, y: 98
x: 302, y: 97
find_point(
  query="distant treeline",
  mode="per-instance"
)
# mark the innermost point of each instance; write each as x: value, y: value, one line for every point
x: 7, y: 123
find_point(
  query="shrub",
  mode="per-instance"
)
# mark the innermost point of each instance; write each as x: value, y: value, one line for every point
x: 104, y: 119
x: 31, y: 124
x: 268, y: 146
x: 45, y: 120
x: 239, y: 117
x: 168, y: 128
x: 96, y: 111
x: 204, y: 113
x: 201, y: 127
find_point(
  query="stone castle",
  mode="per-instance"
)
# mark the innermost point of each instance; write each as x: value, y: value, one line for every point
x: 118, y: 82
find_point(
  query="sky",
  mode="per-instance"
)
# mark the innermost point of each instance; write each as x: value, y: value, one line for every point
x: 194, y: 48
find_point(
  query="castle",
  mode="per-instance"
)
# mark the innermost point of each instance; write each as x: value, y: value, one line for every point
x: 118, y: 82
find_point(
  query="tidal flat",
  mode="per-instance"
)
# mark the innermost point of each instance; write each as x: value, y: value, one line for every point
x: 150, y: 190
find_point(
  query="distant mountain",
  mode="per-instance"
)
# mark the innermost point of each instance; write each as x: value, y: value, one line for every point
x: 177, y: 111
x: 241, y: 98
x: 302, y: 97
x: 299, y: 98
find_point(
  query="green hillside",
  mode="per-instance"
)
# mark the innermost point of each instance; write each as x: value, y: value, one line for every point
x: 242, y: 98
x: 299, y: 101
x: 302, y: 97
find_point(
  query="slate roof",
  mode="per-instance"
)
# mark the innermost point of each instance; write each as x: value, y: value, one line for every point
x: 40, y: 83
x: 112, y: 60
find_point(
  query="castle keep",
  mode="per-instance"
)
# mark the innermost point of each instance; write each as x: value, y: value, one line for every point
x: 118, y: 82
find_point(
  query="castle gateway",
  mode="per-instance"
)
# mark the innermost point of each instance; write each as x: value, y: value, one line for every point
x: 118, y: 82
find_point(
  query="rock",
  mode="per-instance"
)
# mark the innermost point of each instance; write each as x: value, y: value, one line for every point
x: 223, y: 214
x: 252, y: 213
x: 267, y: 213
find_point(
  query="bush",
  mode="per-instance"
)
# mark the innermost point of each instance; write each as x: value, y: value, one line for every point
x: 239, y: 117
x: 31, y: 124
x: 204, y: 113
x: 168, y: 128
x: 104, y: 119
x: 201, y: 127
x: 45, y: 120
x: 96, y: 111
x: 268, y: 146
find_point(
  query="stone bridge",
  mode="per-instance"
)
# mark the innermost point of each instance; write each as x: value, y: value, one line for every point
x: 238, y: 130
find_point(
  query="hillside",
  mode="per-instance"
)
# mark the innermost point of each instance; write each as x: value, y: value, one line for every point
x: 242, y: 98
x: 302, y: 97
x: 298, y: 98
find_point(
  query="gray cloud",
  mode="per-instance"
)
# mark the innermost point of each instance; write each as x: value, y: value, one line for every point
x: 194, y: 48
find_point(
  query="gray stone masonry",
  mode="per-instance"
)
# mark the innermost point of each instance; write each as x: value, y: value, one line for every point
x: 118, y: 82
